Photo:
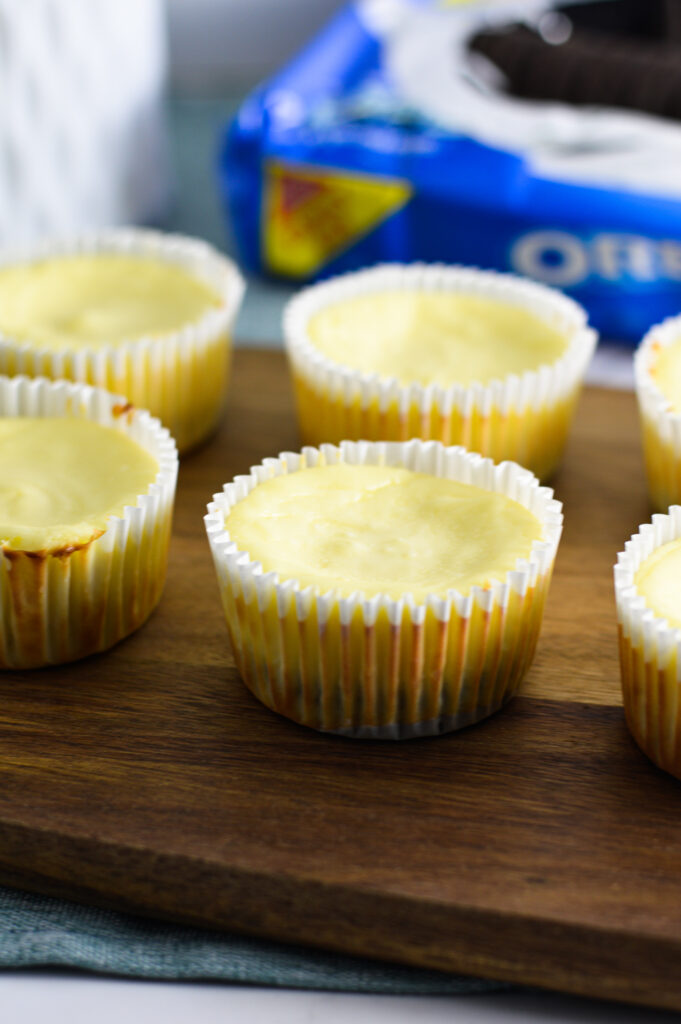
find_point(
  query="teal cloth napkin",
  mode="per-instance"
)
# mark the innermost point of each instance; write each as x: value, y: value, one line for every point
x: 36, y: 931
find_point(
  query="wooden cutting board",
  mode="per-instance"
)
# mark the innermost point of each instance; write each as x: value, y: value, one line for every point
x: 540, y: 846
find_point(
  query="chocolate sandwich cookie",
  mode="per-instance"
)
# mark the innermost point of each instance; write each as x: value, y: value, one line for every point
x: 616, y: 53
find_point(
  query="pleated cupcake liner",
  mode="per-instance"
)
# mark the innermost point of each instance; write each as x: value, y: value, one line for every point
x: 521, y: 417
x: 377, y: 667
x: 58, y: 607
x: 661, y: 426
x: 650, y: 650
x: 180, y: 377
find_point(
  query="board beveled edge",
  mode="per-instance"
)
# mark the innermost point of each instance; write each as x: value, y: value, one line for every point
x: 610, y: 963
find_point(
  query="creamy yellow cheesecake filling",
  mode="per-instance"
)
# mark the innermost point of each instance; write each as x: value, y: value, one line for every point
x: 667, y: 373
x: 98, y: 299
x: 441, y: 338
x: 381, y: 530
x: 658, y: 580
x: 61, y: 480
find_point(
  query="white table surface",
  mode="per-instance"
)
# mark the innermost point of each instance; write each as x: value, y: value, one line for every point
x: 42, y: 997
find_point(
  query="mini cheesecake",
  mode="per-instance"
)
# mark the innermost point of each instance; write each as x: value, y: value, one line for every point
x: 87, y: 485
x: 384, y: 590
x: 451, y: 354
x: 657, y: 374
x: 145, y: 315
x: 648, y: 599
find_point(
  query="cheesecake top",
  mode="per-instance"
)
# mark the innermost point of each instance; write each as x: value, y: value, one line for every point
x: 434, y: 337
x: 658, y: 580
x: 381, y: 530
x: 61, y: 479
x: 87, y: 300
x: 666, y: 372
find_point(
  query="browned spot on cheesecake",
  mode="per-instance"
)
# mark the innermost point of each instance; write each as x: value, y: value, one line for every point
x: 13, y: 554
x: 123, y: 409
x: 36, y: 642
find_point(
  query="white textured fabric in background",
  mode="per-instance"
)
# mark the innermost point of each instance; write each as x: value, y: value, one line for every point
x: 82, y: 138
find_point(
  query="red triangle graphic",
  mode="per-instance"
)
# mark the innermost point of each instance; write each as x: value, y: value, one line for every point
x: 295, y: 191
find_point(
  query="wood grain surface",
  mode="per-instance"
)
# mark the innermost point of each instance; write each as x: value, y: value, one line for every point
x: 539, y: 846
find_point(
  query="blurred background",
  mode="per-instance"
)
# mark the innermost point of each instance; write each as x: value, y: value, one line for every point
x: 218, y: 51
x: 113, y: 113
x: 537, y: 136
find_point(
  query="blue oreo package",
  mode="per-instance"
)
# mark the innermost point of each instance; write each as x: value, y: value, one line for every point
x: 335, y: 164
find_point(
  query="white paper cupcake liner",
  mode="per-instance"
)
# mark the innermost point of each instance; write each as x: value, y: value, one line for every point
x: 57, y: 607
x: 650, y: 651
x: 180, y: 377
x: 520, y: 417
x: 661, y: 426
x: 379, y: 667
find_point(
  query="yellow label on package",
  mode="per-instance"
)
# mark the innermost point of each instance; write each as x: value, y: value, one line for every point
x: 312, y: 214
